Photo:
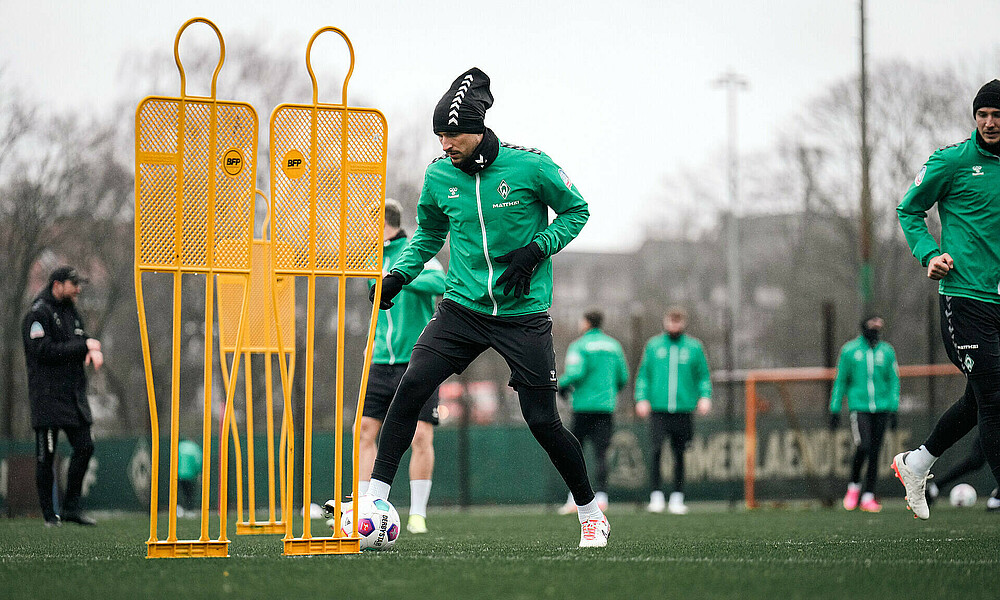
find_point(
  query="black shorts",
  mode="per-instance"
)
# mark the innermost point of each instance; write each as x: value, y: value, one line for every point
x: 382, y: 383
x: 971, y: 333
x: 459, y: 335
x: 679, y: 427
x: 594, y: 425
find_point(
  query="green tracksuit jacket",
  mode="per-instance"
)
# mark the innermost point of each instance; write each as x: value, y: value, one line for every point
x: 869, y: 377
x: 964, y: 181
x: 399, y: 327
x: 595, y: 371
x: 673, y: 375
x: 501, y: 208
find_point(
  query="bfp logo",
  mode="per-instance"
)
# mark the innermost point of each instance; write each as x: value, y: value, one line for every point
x: 293, y: 164
x: 232, y: 162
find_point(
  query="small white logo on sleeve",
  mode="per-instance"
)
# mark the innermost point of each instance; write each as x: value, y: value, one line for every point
x: 920, y: 176
x: 977, y: 170
x: 36, y: 331
x: 565, y: 178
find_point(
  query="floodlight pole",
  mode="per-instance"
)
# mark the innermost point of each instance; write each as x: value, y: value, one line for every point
x: 866, y: 279
x: 733, y: 83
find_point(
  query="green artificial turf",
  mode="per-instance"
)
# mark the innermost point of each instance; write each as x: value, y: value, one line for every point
x: 525, y: 553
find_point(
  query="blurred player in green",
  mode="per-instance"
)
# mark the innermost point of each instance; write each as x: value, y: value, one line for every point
x: 673, y: 381
x: 188, y: 469
x: 868, y: 375
x: 595, y: 373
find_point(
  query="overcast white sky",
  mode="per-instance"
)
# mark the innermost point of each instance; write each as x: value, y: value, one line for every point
x: 619, y: 93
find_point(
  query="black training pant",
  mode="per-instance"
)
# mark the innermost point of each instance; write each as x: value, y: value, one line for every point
x: 971, y: 332
x: 868, y: 430
x: 46, y: 440
x: 679, y: 427
x: 451, y: 340
x: 597, y: 428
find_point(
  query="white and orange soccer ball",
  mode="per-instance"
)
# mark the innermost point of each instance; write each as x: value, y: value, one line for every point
x: 378, y: 522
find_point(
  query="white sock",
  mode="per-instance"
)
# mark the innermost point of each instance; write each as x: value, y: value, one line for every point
x: 420, y: 491
x: 867, y: 497
x: 379, y: 489
x: 602, y: 497
x: 569, y: 498
x: 677, y: 498
x: 363, y: 487
x: 656, y: 496
x: 853, y: 487
x: 589, y: 511
x: 920, y: 460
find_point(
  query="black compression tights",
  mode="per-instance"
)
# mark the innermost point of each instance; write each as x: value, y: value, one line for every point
x: 979, y: 404
x: 987, y: 389
x: 425, y: 372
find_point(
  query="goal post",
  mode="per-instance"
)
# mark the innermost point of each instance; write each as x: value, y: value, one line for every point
x: 782, y: 377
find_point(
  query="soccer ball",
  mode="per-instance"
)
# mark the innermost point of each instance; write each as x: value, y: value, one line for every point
x: 378, y: 522
x: 962, y: 494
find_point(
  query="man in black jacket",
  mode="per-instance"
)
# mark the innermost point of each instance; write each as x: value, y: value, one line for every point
x: 57, y: 349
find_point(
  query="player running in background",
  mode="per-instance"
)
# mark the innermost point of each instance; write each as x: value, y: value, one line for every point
x: 964, y: 181
x: 868, y: 375
x: 673, y: 381
x: 395, y: 333
x: 493, y: 200
x: 595, y: 373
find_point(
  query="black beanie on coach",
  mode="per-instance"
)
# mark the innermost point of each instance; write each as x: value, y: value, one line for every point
x: 462, y: 109
x: 989, y: 95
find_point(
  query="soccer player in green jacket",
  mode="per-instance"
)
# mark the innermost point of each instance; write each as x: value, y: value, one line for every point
x: 963, y: 180
x: 396, y: 331
x: 673, y: 381
x: 867, y: 374
x: 595, y: 374
x: 492, y: 201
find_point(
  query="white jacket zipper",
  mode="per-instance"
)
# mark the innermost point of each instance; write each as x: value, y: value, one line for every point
x: 486, y: 250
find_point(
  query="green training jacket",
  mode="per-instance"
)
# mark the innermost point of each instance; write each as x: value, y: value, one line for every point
x: 869, y: 377
x: 673, y: 375
x: 501, y: 208
x: 595, y: 371
x: 188, y: 460
x: 399, y: 327
x: 964, y: 181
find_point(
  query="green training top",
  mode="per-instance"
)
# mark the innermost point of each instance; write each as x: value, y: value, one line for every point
x: 399, y: 327
x: 673, y: 374
x: 188, y: 460
x: 869, y: 377
x: 501, y: 208
x: 964, y: 181
x: 596, y: 372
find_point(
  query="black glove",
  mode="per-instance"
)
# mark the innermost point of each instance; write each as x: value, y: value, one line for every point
x: 391, y: 284
x: 893, y: 421
x: 834, y: 420
x: 522, y: 264
x: 563, y: 392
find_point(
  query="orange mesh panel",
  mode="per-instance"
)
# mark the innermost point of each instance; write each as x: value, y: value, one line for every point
x: 166, y: 152
x: 290, y: 126
x: 291, y: 129
x: 260, y: 330
x: 234, y: 194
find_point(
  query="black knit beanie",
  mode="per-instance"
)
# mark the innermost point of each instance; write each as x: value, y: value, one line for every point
x: 462, y: 109
x: 989, y: 95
